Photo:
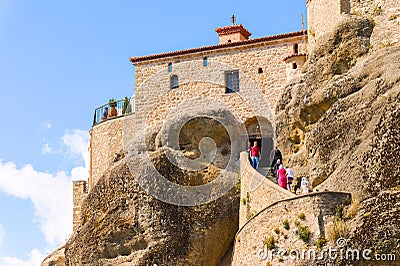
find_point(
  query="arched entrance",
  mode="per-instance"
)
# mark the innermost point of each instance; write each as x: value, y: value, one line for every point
x: 260, y: 129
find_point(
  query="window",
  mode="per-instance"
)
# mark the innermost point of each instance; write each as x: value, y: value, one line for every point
x: 174, y: 82
x: 170, y: 67
x: 260, y: 71
x: 295, y: 48
x: 205, y: 62
x: 294, y: 66
x: 232, y: 81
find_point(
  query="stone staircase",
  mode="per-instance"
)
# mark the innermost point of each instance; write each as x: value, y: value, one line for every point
x: 263, y: 208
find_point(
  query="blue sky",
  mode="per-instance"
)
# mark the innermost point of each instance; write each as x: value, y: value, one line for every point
x: 59, y: 60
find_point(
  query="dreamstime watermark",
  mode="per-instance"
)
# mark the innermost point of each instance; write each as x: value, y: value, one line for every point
x: 341, y: 252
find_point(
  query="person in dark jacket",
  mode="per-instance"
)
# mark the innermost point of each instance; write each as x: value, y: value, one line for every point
x: 274, y: 157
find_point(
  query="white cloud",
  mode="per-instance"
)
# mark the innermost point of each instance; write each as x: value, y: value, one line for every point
x: 35, y: 259
x: 47, y: 149
x: 51, y: 196
x: 2, y: 234
x: 77, y: 142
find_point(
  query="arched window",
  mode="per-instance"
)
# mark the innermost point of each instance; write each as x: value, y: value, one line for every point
x: 174, y: 82
x: 295, y: 48
x: 294, y: 66
x: 260, y: 71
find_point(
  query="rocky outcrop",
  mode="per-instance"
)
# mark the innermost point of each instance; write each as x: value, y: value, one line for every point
x: 338, y: 125
x: 377, y: 226
x: 330, y: 121
x: 123, y: 225
x: 126, y: 220
x: 57, y: 258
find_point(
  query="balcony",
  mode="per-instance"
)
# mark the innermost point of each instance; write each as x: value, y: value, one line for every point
x: 114, y: 109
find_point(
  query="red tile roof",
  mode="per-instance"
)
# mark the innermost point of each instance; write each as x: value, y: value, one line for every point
x: 293, y: 55
x: 233, y: 29
x: 137, y: 59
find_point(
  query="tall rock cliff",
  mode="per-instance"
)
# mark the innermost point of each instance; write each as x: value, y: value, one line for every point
x: 338, y: 124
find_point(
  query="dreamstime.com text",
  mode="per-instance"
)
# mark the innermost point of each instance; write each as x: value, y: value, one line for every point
x: 341, y: 252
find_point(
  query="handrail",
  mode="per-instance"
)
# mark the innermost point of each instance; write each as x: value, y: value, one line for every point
x: 119, y: 108
x: 295, y: 197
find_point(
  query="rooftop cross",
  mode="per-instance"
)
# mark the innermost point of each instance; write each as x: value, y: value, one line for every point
x: 233, y: 19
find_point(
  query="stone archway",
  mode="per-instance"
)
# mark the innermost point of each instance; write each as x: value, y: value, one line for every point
x: 261, y: 130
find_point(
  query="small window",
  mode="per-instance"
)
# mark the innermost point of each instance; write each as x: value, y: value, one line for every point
x: 170, y: 67
x: 294, y: 66
x: 205, y: 62
x: 174, y: 82
x: 344, y: 6
x: 229, y: 41
x: 232, y: 81
x: 260, y: 71
x: 295, y: 48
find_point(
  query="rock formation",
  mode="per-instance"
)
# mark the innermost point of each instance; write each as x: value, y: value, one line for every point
x: 123, y: 225
x: 339, y: 124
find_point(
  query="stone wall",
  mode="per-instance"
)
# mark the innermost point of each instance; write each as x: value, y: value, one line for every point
x: 80, y: 192
x: 386, y: 17
x: 318, y: 209
x: 105, y: 146
x: 235, y: 37
x: 322, y: 17
x: 258, y: 95
x: 259, y: 92
x: 256, y: 191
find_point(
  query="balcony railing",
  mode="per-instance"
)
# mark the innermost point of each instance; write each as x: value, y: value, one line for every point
x: 122, y: 107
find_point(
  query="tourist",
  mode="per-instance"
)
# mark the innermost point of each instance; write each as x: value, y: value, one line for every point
x: 105, y: 114
x: 255, y: 155
x: 248, y: 150
x: 274, y: 157
x: 276, y: 168
x: 305, y: 186
x: 297, y: 186
x: 282, y: 182
x: 290, y: 177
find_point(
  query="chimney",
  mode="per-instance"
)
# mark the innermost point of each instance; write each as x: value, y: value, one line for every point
x: 233, y: 33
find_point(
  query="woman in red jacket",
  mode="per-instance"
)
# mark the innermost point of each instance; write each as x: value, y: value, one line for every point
x: 282, y: 181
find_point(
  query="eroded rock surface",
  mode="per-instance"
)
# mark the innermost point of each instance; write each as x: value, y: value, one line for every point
x: 124, y: 224
x: 338, y: 124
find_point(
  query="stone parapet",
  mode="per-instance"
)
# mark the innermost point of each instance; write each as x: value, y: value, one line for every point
x: 105, y: 146
x: 312, y: 211
x: 256, y: 191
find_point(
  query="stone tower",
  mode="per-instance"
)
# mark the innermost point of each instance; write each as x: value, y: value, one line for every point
x: 323, y: 16
x: 233, y: 33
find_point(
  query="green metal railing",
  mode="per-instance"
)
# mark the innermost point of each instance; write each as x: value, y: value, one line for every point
x: 114, y: 109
